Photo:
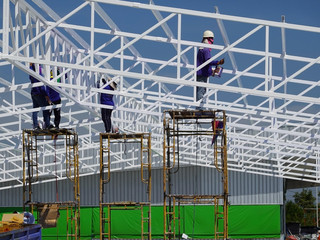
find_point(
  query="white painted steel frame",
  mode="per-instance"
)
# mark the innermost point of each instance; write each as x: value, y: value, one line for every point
x: 272, y: 129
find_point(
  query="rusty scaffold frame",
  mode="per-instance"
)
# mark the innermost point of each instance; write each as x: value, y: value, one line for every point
x: 106, y: 140
x: 171, y: 164
x: 48, y: 212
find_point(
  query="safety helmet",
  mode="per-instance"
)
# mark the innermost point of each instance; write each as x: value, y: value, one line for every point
x: 208, y: 34
x: 113, y: 84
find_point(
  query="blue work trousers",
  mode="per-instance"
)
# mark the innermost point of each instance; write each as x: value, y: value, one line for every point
x: 201, y: 91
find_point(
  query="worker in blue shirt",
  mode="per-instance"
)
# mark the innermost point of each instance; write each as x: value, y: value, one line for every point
x: 107, y: 99
x: 39, y: 99
x: 205, y: 72
x: 55, y: 99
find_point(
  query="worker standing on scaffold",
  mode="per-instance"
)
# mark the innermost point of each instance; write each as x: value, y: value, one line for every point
x: 39, y: 99
x: 55, y: 100
x: 107, y: 99
x: 205, y: 72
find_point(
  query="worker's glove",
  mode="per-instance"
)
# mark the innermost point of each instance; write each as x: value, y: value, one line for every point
x: 221, y: 61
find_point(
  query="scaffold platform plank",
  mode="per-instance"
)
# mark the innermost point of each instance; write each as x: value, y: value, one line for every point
x: 126, y: 204
x: 193, y: 114
x: 179, y: 196
x: 66, y: 203
x: 50, y: 131
x: 124, y: 135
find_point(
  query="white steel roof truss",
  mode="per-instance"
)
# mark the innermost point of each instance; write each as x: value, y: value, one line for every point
x: 276, y: 135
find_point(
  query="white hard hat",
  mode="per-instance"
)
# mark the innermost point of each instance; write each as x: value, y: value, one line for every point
x: 208, y: 34
x: 113, y: 84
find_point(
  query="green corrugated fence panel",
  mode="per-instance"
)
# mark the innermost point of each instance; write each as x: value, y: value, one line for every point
x: 254, y: 221
x: 250, y: 221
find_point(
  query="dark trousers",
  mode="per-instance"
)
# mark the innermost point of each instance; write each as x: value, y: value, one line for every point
x: 40, y: 101
x: 57, y: 116
x: 106, y: 118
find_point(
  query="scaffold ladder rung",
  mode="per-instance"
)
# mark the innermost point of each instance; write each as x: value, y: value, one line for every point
x: 33, y: 165
x: 32, y: 149
x: 176, y: 153
x: 105, y: 181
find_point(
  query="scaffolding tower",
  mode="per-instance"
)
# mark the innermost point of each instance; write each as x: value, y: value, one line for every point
x: 106, y: 141
x: 185, y: 124
x: 48, y: 212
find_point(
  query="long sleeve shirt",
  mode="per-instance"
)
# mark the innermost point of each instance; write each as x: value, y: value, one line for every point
x: 37, y: 90
x: 202, y: 56
x: 53, y: 94
x: 106, y: 98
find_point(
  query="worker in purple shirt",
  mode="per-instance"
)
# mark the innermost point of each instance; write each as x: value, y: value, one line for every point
x: 39, y: 99
x: 55, y: 99
x: 107, y: 99
x: 205, y: 72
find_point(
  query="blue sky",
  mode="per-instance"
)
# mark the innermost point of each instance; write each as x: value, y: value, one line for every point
x: 136, y: 20
x: 298, y: 12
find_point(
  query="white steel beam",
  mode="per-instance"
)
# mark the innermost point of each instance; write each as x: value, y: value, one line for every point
x: 273, y: 116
